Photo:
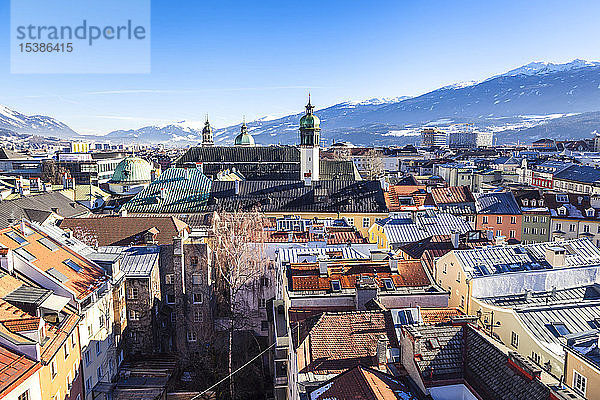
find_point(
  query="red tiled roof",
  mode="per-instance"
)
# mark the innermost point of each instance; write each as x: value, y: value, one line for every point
x: 439, y: 315
x: 113, y: 230
x: 365, y: 384
x: 22, y: 324
x: 418, y: 193
x: 81, y: 282
x: 452, y: 194
x: 338, y: 341
x: 306, y: 276
x: 14, y: 369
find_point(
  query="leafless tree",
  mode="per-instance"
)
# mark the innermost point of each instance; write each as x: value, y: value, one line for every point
x: 373, y: 164
x: 87, y: 236
x: 241, y: 263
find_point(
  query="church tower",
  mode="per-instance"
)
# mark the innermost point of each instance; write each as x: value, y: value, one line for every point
x: 310, y: 135
x: 207, y: 134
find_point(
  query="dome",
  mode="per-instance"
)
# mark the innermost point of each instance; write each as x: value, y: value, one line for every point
x: 309, y: 121
x: 132, y: 169
x: 244, y: 138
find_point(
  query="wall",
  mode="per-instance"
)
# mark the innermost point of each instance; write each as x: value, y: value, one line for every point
x: 356, y: 217
x: 451, y: 392
x: 506, y: 321
x: 65, y: 368
x: 584, y: 368
x: 32, y: 384
x: 505, y: 226
x: 453, y: 280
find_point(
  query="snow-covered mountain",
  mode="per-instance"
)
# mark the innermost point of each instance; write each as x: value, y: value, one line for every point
x: 33, y: 124
x: 542, y: 99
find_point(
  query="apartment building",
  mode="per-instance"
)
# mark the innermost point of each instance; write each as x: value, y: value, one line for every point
x: 500, y: 214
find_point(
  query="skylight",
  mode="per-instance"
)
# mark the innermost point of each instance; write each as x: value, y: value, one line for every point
x: 335, y: 286
x: 17, y: 238
x: 25, y: 254
x: 73, y: 265
x: 49, y: 244
x: 559, y: 329
x: 389, y: 284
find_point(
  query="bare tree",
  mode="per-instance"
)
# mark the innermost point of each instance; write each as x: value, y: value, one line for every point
x: 241, y: 263
x: 373, y: 164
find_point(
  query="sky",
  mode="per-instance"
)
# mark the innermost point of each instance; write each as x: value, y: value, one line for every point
x: 230, y: 59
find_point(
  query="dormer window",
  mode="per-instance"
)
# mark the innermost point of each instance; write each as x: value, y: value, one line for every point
x: 562, y: 211
x: 562, y: 198
x: 559, y: 329
x: 590, y: 212
x: 389, y: 284
x: 532, y: 202
x: 525, y: 202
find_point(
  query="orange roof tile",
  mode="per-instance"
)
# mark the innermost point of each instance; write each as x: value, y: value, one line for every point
x: 22, y: 324
x: 441, y: 315
x: 306, y: 276
x: 14, y: 369
x: 81, y: 282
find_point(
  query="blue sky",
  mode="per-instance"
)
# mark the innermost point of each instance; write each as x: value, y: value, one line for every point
x: 257, y: 58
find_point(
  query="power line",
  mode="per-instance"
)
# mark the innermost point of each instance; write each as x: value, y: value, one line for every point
x: 234, y: 372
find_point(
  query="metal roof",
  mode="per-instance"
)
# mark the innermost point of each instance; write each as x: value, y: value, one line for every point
x: 296, y: 254
x: 424, y: 225
x: 28, y: 294
x: 137, y: 261
x: 516, y: 258
x: 503, y: 203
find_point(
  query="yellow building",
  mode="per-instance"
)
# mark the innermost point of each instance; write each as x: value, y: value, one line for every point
x: 582, y: 365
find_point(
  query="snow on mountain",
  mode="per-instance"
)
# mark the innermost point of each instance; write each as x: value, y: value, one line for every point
x: 543, y: 67
x: 33, y: 124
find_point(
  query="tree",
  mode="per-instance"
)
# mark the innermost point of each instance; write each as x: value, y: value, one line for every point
x: 373, y: 164
x: 241, y: 263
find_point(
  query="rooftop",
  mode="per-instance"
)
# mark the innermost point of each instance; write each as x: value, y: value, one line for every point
x: 496, y: 203
x: 136, y: 261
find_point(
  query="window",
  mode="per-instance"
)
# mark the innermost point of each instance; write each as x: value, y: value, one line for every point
x: 535, y: 357
x: 25, y: 254
x: 101, y: 321
x: 98, y: 348
x: 53, y: 369
x: 590, y: 212
x: 572, y: 228
x: 170, y: 298
x: 513, y: 220
x: 264, y: 281
x: 498, y: 232
x: 351, y: 221
x: 24, y: 395
x: 579, y: 383
x: 87, y: 357
x: 49, y: 244
x: 498, y: 219
x: 366, y: 222
x: 197, y: 298
x: 389, y: 284
x: 262, y: 303
x: 514, y: 340
x: 194, y: 261
x: 16, y: 238
x: 512, y: 234
x: 458, y: 277
x: 192, y: 336
x: 264, y: 325
x: 73, y: 340
x: 558, y: 227
x: 169, y: 279
x: 66, y: 350
x: 586, y: 229
x: 197, y: 315
x: 485, y: 219
x: 526, y: 230
x: 88, y: 384
x: 134, y: 315
x: 559, y: 329
x: 173, y: 317
x: 335, y: 286
x: 445, y: 268
x: 72, y: 264
x: 196, y: 279
x: 133, y: 293
x: 99, y: 373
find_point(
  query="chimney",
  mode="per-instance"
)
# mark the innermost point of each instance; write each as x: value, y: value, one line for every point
x: 455, y: 238
x: 382, y: 344
x: 323, y: 271
x: 163, y: 193
x: 123, y: 212
x: 555, y: 255
x: 291, y: 237
x: 22, y: 227
x: 527, y: 294
x: 54, y: 210
x: 6, y: 260
x: 393, y: 265
x: 236, y: 185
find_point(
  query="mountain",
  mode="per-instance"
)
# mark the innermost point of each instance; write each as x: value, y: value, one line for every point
x: 530, y: 96
x: 33, y: 124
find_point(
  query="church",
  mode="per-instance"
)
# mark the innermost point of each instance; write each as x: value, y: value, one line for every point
x: 260, y: 163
